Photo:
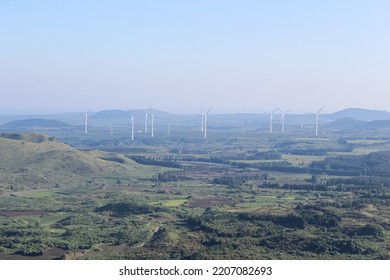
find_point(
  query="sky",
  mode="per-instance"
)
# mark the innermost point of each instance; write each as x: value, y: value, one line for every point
x: 178, y: 56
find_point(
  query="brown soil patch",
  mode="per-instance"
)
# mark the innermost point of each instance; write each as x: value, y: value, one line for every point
x: 11, y: 214
x: 49, y: 254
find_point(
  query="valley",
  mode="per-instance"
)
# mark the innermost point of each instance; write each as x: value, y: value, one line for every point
x: 253, y: 195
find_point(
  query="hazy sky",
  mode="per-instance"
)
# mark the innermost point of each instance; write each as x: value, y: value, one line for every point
x: 238, y: 56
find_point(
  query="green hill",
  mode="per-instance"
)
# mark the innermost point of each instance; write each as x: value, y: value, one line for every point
x: 35, y: 161
x: 35, y: 122
x: 359, y: 114
x: 345, y: 123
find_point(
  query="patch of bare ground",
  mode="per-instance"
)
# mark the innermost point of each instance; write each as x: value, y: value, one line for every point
x: 49, y: 254
x: 11, y: 214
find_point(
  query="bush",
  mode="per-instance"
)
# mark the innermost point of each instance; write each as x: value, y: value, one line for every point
x: 371, y: 230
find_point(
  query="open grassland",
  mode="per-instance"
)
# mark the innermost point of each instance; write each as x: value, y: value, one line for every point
x: 305, y: 139
x: 301, y: 160
x: 174, y: 202
x: 362, y: 150
x: 366, y: 141
x: 36, y: 194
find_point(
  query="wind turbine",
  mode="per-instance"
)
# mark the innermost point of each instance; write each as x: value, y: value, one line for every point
x: 270, y: 119
x: 202, y: 119
x: 152, y: 125
x: 86, y: 121
x: 317, y: 119
x: 146, y: 122
x: 132, y: 125
x: 283, y: 113
x: 205, y: 122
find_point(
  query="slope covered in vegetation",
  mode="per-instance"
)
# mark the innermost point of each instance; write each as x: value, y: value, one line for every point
x: 31, y: 160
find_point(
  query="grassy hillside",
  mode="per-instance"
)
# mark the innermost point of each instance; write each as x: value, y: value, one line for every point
x: 35, y: 161
x: 35, y: 122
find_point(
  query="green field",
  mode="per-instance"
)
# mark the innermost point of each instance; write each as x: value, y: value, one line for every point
x: 301, y: 159
x: 37, y: 194
x: 366, y: 141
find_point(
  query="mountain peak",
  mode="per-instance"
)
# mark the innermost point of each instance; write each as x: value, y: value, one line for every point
x: 360, y: 114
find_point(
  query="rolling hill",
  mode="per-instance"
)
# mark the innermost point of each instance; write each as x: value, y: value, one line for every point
x: 122, y: 114
x: 375, y: 125
x: 359, y: 114
x: 352, y: 124
x: 345, y: 123
x: 36, y: 161
x: 40, y: 122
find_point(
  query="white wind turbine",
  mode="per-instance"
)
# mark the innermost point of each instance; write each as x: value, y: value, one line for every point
x: 146, y: 122
x: 283, y: 113
x: 152, y: 121
x: 317, y: 119
x: 202, y: 119
x: 86, y: 121
x: 132, y: 126
x: 270, y: 119
x: 152, y: 125
x: 205, y: 122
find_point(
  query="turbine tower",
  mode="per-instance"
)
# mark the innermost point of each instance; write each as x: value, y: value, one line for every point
x: 132, y: 125
x: 270, y: 119
x: 205, y: 122
x: 283, y: 113
x: 86, y: 121
x: 202, y: 119
x: 146, y: 122
x: 317, y: 120
x: 152, y: 125
x: 317, y: 115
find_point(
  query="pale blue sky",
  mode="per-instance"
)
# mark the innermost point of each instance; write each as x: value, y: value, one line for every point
x: 238, y: 56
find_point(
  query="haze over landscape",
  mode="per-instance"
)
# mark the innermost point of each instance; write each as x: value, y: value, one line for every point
x: 247, y: 56
x: 195, y: 130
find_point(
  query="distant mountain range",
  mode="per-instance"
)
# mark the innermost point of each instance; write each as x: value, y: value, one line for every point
x: 111, y: 114
x: 352, y: 124
x: 347, y: 118
x: 359, y: 114
x: 122, y: 114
